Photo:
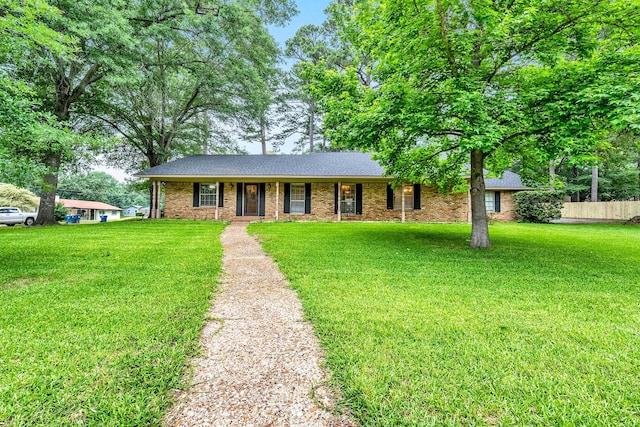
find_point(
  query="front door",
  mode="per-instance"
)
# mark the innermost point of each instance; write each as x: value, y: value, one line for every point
x: 251, y: 199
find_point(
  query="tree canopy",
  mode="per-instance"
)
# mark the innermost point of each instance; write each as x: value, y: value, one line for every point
x: 458, y: 86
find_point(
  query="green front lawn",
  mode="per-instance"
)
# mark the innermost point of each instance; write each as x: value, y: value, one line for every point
x: 541, y: 329
x: 97, y: 321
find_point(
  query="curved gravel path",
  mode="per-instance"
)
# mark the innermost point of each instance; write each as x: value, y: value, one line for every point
x: 261, y: 361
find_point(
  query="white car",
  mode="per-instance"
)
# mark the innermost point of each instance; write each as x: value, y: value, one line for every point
x: 12, y: 216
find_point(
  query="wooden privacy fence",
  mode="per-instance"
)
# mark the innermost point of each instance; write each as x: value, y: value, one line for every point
x: 601, y: 210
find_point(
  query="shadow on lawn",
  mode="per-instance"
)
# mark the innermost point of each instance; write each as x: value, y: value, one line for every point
x: 587, y: 247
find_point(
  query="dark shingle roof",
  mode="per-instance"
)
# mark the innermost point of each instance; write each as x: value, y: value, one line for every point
x: 313, y: 165
x: 308, y: 165
x: 509, y: 181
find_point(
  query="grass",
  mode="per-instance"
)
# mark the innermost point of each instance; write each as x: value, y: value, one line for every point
x: 541, y: 329
x: 97, y: 321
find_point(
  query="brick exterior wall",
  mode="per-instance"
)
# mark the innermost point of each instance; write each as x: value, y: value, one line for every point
x: 435, y: 207
x: 506, y: 208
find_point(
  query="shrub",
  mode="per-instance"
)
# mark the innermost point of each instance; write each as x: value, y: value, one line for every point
x: 538, y: 206
x: 10, y: 195
x: 60, y: 212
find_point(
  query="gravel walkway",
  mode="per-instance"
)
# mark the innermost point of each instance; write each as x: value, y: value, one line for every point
x: 261, y: 361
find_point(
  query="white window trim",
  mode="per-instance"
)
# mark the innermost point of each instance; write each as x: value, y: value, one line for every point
x: 344, y: 201
x: 208, y: 195
x: 408, y: 200
x: 299, y: 206
x: 490, y: 204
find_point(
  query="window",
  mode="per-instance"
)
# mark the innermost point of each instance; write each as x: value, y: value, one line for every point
x: 490, y: 201
x: 408, y: 197
x: 207, y: 194
x: 297, y: 198
x: 348, y: 199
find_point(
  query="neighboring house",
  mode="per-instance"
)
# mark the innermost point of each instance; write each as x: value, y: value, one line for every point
x: 89, y: 210
x: 316, y: 186
x: 131, y: 210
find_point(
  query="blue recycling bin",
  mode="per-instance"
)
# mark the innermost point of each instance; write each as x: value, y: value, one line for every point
x: 103, y: 218
x: 75, y: 219
x: 68, y: 219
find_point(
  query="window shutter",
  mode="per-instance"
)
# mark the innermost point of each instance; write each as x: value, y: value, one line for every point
x: 196, y: 194
x: 307, y: 198
x: 496, y: 198
x: 335, y: 199
x: 287, y: 197
x: 416, y: 196
x: 261, y: 198
x: 239, y: 188
x: 221, y: 195
x: 358, y: 199
x: 389, y: 197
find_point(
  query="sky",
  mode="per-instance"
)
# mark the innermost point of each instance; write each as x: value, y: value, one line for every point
x: 309, y: 12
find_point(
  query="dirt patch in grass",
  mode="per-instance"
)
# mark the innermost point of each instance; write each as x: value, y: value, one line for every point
x: 22, y: 282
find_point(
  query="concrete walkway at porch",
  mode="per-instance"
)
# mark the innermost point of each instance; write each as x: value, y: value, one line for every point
x: 261, y: 364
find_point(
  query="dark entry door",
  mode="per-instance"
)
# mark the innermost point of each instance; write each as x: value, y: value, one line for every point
x: 251, y: 199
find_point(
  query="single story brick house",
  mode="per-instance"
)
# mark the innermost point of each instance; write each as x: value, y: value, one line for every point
x: 317, y: 186
x: 90, y: 210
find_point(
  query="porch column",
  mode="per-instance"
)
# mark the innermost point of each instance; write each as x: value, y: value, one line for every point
x: 154, y: 198
x: 339, y: 203
x: 402, y: 202
x: 217, y: 198
x: 158, y: 192
x: 277, y: 200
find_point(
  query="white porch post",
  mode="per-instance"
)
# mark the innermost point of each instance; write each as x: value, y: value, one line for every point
x: 217, y: 198
x: 277, y: 200
x: 339, y: 203
x: 402, y: 188
x: 154, y: 198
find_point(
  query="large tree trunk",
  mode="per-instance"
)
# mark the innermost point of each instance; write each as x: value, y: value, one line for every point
x: 594, y: 184
x: 263, y: 137
x: 312, y: 123
x: 46, y: 209
x: 479, y: 224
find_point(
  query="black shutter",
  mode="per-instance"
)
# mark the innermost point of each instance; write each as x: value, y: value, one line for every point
x: 389, y: 197
x: 497, y: 201
x: 307, y: 198
x: 416, y: 196
x: 239, y: 189
x: 196, y: 194
x: 335, y: 199
x: 262, y: 192
x: 358, y: 199
x: 287, y: 197
x: 221, y: 195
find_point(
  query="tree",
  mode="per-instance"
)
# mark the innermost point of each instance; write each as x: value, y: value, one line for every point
x: 23, y: 37
x: 308, y: 46
x: 61, y: 83
x: 198, y: 66
x: 475, y: 84
x: 10, y: 195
